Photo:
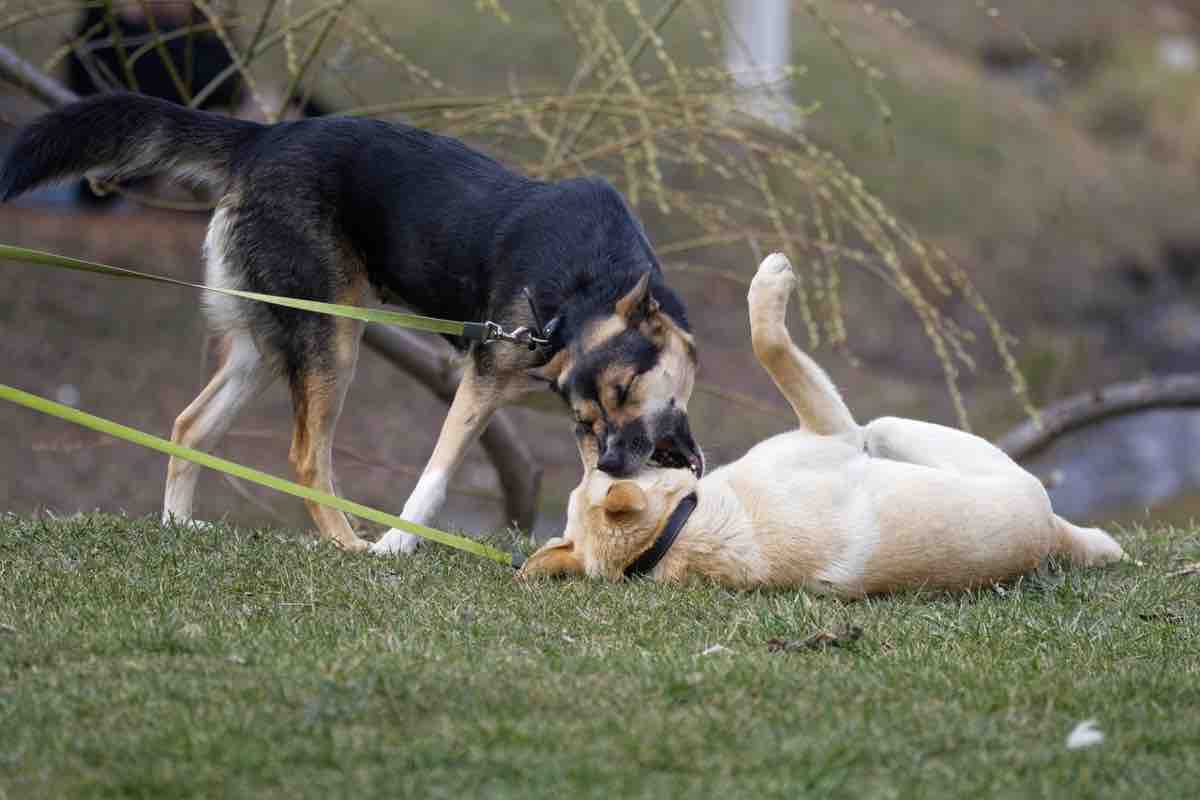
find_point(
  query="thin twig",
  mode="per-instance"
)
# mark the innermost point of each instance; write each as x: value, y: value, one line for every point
x: 119, y: 45
x: 167, y: 62
x: 630, y: 59
x: 310, y: 55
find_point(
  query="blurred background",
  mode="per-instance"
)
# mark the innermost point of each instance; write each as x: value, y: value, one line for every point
x: 994, y: 208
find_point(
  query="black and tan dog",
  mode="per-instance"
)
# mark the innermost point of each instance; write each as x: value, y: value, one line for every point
x: 338, y: 209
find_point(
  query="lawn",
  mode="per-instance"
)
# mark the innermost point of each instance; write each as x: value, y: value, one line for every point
x: 149, y: 662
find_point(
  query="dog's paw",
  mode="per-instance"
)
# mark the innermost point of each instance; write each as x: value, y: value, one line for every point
x: 774, y: 264
x: 769, y: 293
x: 355, y: 545
x: 395, y: 542
x: 774, y: 276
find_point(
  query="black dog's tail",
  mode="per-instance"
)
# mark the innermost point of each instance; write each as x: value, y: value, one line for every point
x: 119, y: 136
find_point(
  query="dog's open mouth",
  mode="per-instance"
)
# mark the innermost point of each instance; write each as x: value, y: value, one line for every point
x: 669, y: 455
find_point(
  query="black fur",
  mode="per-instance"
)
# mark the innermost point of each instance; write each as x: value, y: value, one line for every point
x: 439, y: 227
x: 128, y: 135
x: 630, y: 347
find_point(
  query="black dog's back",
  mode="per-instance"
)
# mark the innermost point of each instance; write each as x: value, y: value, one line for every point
x: 434, y: 224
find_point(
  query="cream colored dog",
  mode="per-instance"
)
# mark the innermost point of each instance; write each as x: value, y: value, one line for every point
x: 833, y: 507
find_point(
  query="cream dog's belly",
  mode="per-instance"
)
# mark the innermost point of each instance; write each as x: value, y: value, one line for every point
x: 820, y: 512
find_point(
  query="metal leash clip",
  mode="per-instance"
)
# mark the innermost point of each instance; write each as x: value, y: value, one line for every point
x: 533, y: 338
x: 523, y: 335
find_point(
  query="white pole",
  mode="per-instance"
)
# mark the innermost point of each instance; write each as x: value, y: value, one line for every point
x: 757, y: 52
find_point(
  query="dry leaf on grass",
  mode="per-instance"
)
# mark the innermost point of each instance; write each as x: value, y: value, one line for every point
x: 839, y: 637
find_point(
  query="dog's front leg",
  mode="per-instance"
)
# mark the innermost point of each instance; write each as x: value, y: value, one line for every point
x: 474, y: 404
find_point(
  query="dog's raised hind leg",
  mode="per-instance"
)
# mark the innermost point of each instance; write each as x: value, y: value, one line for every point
x: 474, y: 404
x: 931, y: 445
x: 806, y: 386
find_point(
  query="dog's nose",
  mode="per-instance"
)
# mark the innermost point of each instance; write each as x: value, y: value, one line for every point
x: 611, y: 462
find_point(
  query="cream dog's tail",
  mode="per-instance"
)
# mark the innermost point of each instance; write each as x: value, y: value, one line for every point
x: 1086, y: 546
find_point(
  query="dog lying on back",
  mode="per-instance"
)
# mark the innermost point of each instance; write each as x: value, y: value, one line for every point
x: 833, y: 507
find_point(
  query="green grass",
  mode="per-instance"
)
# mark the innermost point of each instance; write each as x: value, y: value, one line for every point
x: 149, y: 662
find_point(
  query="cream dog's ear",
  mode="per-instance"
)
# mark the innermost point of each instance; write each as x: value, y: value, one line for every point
x: 624, y: 497
x: 556, y: 557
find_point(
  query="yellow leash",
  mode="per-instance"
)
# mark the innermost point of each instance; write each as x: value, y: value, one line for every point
x: 135, y: 436
x: 476, y: 331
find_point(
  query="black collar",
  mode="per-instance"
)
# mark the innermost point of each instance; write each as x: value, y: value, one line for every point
x: 648, y: 560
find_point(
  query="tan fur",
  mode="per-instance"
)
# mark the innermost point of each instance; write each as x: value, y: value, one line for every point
x: 628, y: 305
x: 597, y: 333
x: 834, y: 507
x: 242, y: 373
x: 626, y: 396
x: 317, y: 402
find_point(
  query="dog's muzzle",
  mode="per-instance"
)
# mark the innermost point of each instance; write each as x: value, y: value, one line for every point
x: 678, y: 450
x: 672, y: 447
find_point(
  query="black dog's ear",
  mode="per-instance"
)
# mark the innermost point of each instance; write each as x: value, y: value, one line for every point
x: 638, y: 303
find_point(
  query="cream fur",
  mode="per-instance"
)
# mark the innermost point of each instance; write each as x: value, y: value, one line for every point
x: 833, y: 507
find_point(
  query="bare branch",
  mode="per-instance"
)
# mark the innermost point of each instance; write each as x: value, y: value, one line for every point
x: 165, y: 57
x: 309, y: 56
x: 1090, y: 408
x: 41, y: 86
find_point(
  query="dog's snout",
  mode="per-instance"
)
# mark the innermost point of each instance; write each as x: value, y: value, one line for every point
x: 612, y: 462
x: 625, y: 449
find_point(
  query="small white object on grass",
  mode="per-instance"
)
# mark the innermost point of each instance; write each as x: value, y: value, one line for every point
x: 1085, y: 734
x: 715, y: 648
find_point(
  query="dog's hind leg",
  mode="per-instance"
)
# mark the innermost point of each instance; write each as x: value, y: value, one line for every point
x: 242, y: 373
x: 318, y: 392
x: 806, y: 386
x: 474, y: 404
x: 931, y: 445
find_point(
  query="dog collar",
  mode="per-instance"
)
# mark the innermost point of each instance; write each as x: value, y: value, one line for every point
x: 648, y: 560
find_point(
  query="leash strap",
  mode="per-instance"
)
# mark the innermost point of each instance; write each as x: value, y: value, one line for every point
x: 135, y: 436
x: 648, y: 560
x: 474, y: 331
